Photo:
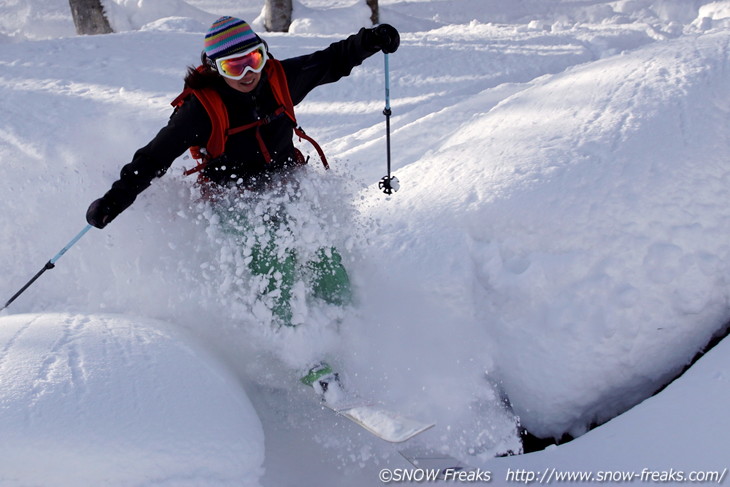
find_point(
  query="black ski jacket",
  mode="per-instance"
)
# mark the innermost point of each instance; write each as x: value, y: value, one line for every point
x: 190, y: 125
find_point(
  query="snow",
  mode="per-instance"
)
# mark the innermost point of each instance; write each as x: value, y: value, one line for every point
x: 606, y: 179
x: 675, y: 430
x: 97, y: 399
x: 559, y: 240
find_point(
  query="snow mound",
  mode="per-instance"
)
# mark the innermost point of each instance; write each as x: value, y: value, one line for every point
x: 109, y: 400
x: 125, y: 15
x: 332, y: 19
x: 35, y: 19
x: 714, y: 15
x: 640, y: 440
x: 579, y: 203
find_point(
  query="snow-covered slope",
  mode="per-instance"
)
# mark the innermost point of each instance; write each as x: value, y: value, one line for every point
x: 559, y: 238
x: 117, y: 400
x: 582, y: 223
x: 678, y: 432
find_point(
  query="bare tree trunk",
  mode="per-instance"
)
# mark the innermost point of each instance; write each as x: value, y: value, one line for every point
x: 278, y: 15
x: 89, y: 17
x: 375, y: 15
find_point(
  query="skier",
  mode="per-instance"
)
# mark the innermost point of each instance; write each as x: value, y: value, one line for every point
x: 236, y: 114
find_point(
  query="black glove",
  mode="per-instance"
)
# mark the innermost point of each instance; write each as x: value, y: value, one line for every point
x: 383, y: 38
x: 102, y: 211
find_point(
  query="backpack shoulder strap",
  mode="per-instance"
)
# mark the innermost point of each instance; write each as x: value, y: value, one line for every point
x: 280, y: 88
x: 213, y: 104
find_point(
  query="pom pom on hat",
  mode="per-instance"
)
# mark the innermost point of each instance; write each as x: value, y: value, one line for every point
x: 229, y: 35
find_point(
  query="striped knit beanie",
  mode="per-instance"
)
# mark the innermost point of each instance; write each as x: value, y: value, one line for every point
x: 229, y: 35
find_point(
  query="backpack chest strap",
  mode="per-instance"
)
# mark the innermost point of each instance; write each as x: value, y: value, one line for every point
x: 257, y: 126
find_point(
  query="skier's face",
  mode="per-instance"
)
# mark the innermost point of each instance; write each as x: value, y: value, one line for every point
x: 246, y: 84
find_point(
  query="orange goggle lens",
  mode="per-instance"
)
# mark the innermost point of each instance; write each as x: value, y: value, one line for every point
x: 236, y: 65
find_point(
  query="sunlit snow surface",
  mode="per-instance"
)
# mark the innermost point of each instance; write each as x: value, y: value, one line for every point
x: 559, y: 239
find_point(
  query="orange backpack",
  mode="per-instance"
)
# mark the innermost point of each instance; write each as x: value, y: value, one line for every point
x: 218, y: 114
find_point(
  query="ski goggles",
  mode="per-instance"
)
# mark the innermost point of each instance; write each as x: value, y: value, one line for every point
x: 237, y: 65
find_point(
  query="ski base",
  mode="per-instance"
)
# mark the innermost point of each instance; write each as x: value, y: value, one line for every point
x: 383, y: 423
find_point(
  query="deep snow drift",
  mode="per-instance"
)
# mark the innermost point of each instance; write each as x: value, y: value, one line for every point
x: 559, y: 238
x: 98, y: 400
x: 625, y: 255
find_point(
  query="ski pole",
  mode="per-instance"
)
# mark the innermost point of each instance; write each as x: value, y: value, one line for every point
x: 389, y: 184
x: 49, y: 265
